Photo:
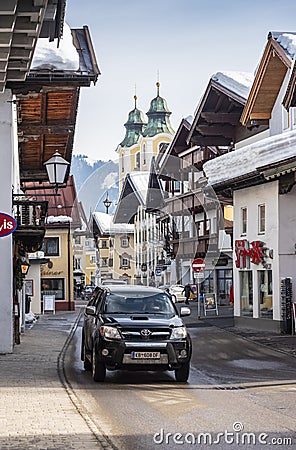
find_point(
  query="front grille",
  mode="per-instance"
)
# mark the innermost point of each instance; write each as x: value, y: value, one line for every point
x: 155, y: 335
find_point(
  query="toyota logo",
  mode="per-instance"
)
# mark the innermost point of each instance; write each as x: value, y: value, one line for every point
x: 145, y: 332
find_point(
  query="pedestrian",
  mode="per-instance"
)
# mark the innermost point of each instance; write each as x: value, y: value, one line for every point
x: 231, y: 295
x: 187, y: 291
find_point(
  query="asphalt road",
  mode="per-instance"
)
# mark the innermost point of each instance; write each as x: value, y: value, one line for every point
x: 235, y: 387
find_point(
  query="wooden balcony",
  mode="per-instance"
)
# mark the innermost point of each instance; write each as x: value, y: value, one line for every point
x: 30, y: 216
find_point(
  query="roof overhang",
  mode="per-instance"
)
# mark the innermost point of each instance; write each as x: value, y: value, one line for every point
x: 216, y: 117
x: 268, y: 81
x: 22, y: 22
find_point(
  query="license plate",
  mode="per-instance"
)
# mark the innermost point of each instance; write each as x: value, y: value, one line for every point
x: 145, y: 355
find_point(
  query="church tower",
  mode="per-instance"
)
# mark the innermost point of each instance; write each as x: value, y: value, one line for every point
x: 129, y: 147
x: 143, y: 140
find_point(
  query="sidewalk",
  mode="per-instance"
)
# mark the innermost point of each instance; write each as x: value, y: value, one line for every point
x: 35, y: 409
x: 280, y: 342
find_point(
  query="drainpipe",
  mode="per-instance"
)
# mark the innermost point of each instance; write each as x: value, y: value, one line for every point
x: 69, y: 270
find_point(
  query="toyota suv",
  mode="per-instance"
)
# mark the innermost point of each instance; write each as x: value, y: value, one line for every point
x: 134, y: 328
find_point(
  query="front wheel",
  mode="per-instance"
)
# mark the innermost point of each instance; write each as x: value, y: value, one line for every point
x: 98, y: 368
x: 182, y: 374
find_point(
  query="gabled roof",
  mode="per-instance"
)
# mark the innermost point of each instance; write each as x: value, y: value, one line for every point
x: 219, y: 110
x: 133, y: 194
x: 107, y: 227
x: 290, y: 96
x: 168, y: 163
x: 155, y: 194
x: 276, y: 60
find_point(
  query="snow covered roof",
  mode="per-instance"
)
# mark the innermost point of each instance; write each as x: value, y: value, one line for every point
x: 238, y: 82
x: 58, y: 219
x: 247, y: 160
x: 140, y: 182
x: 48, y: 56
x: 287, y: 41
x: 105, y: 224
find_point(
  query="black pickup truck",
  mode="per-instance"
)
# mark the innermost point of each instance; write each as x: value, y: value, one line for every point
x: 134, y: 328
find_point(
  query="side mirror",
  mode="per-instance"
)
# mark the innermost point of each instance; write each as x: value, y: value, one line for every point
x: 185, y: 311
x: 90, y: 310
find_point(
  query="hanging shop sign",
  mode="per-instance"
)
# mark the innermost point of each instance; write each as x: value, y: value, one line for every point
x: 7, y: 224
x: 255, y: 252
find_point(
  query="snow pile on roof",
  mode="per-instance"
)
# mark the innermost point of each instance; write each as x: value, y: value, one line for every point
x: 55, y: 219
x: 248, y: 159
x: 105, y: 223
x: 238, y: 82
x: 48, y: 56
x: 288, y: 42
x: 140, y: 182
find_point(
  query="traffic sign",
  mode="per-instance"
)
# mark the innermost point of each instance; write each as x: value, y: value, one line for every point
x: 158, y: 271
x: 198, y: 265
x: 198, y: 275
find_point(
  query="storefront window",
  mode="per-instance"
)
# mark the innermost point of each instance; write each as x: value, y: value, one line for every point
x: 265, y: 293
x: 246, y: 292
x: 53, y: 286
x: 207, y: 286
x: 224, y: 281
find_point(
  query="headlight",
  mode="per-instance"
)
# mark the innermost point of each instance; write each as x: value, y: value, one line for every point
x: 110, y: 332
x: 179, y: 333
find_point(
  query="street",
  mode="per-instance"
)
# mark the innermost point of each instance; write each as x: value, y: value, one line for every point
x: 235, y: 387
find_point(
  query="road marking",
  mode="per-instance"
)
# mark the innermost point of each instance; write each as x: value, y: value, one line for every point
x: 160, y: 397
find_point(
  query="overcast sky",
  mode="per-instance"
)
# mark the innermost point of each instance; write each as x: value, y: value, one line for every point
x: 185, y: 41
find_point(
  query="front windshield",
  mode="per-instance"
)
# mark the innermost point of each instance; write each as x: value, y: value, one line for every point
x: 158, y: 303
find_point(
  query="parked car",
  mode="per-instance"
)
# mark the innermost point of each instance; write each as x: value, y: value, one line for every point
x: 134, y: 328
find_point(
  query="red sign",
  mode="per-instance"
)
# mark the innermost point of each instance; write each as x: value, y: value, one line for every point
x: 246, y: 251
x: 198, y: 265
x: 7, y: 224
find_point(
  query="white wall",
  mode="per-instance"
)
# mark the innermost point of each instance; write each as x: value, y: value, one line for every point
x: 287, y: 240
x: 250, y: 198
x: 6, y: 177
x: 34, y: 274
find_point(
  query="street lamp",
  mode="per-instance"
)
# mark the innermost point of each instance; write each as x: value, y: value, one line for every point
x: 107, y: 202
x: 56, y: 168
x: 25, y: 267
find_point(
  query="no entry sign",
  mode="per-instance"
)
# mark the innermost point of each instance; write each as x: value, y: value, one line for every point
x: 198, y: 265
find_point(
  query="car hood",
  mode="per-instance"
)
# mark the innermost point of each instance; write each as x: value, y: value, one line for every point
x: 143, y: 320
